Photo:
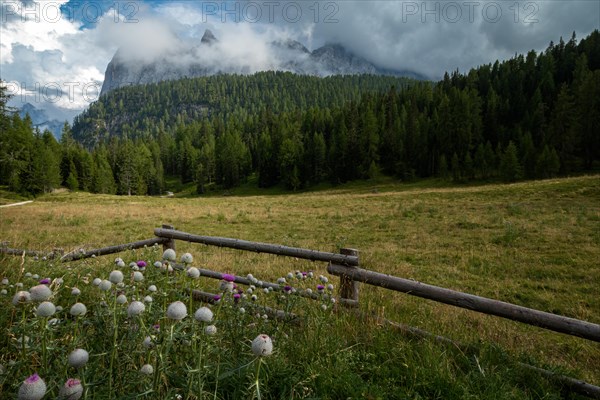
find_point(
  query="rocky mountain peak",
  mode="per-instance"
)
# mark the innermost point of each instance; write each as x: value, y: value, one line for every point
x: 208, y: 37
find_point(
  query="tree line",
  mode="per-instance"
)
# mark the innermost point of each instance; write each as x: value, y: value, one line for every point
x: 532, y: 116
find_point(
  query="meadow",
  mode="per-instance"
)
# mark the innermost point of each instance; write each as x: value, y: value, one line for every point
x: 535, y: 244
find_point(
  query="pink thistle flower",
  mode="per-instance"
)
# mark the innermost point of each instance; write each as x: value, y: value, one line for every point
x: 33, y: 388
x: 228, y: 277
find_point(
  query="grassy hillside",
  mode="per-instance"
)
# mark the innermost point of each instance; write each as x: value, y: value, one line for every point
x: 536, y: 244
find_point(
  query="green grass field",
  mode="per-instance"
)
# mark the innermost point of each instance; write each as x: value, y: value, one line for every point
x: 535, y: 244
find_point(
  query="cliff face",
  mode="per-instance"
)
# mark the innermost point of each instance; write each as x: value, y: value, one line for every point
x: 191, y: 62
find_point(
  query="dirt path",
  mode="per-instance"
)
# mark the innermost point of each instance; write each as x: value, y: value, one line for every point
x: 17, y: 204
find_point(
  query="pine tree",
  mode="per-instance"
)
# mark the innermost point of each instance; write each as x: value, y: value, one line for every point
x: 72, y: 182
x: 510, y: 168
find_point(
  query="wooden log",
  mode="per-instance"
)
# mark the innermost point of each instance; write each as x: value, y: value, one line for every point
x: 169, y: 244
x: 348, y: 287
x: 574, y: 385
x: 484, y: 305
x: 20, y: 252
x: 112, y: 249
x: 258, y: 247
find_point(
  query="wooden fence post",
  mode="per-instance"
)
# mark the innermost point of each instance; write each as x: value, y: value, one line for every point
x: 171, y: 243
x: 348, y: 287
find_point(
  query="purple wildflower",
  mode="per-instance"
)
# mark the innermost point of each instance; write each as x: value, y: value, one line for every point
x: 217, y: 297
x: 141, y: 264
x: 156, y: 327
x: 236, y: 297
x: 287, y: 288
x: 320, y: 288
x: 228, y: 277
x: 45, y: 281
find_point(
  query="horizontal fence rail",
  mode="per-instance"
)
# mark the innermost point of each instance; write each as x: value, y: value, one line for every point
x: 484, y: 305
x: 113, y: 249
x: 280, y: 250
x: 274, y: 286
x: 19, y: 252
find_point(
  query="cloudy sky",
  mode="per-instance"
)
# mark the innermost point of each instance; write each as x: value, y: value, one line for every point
x: 53, y: 54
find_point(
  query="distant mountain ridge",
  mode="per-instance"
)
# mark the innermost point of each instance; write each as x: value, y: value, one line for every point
x: 292, y: 56
x: 40, y: 119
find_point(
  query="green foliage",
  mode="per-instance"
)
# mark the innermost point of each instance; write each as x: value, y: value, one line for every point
x: 510, y: 168
x: 532, y: 116
x: 318, y: 353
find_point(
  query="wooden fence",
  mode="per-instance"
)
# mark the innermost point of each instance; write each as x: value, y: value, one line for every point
x: 346, y: 266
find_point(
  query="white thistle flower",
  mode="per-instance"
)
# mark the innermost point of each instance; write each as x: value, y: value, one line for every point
x: 118, y: 260
x: 152, y: 288
x: 21, y: 297
x: 262, y: 345
x: 323, y: 279
x: 210, y: 330
x: 148, y: 299
x: 121, y: 264
x: 40, y: 293
x: 281, y: 281
x: 135, y: 308
x: 78, y: 309
x: 148, y: 343
x: 193, y: 272
x: 203, y: 314
x: 45, y: 309
x: 96, y: 281
x: 242, y: 310
x: 169, y: 255
x: 157, y: 264
x: 28, y: 275
x: 78, y: 358
x: 225, y: 286
x: 138, y: 276
x: 3, y: 292
x: 105, y: 285
x: 330, y: 287
x: 290, y: 276
x: 19, y: 284
x: 121, y: 299
x: 147, y: 369
x: 187, y: 258
x: 177, y: 311
x: 5, y: 281
x: 116, y: 276
x: 75, y: 292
